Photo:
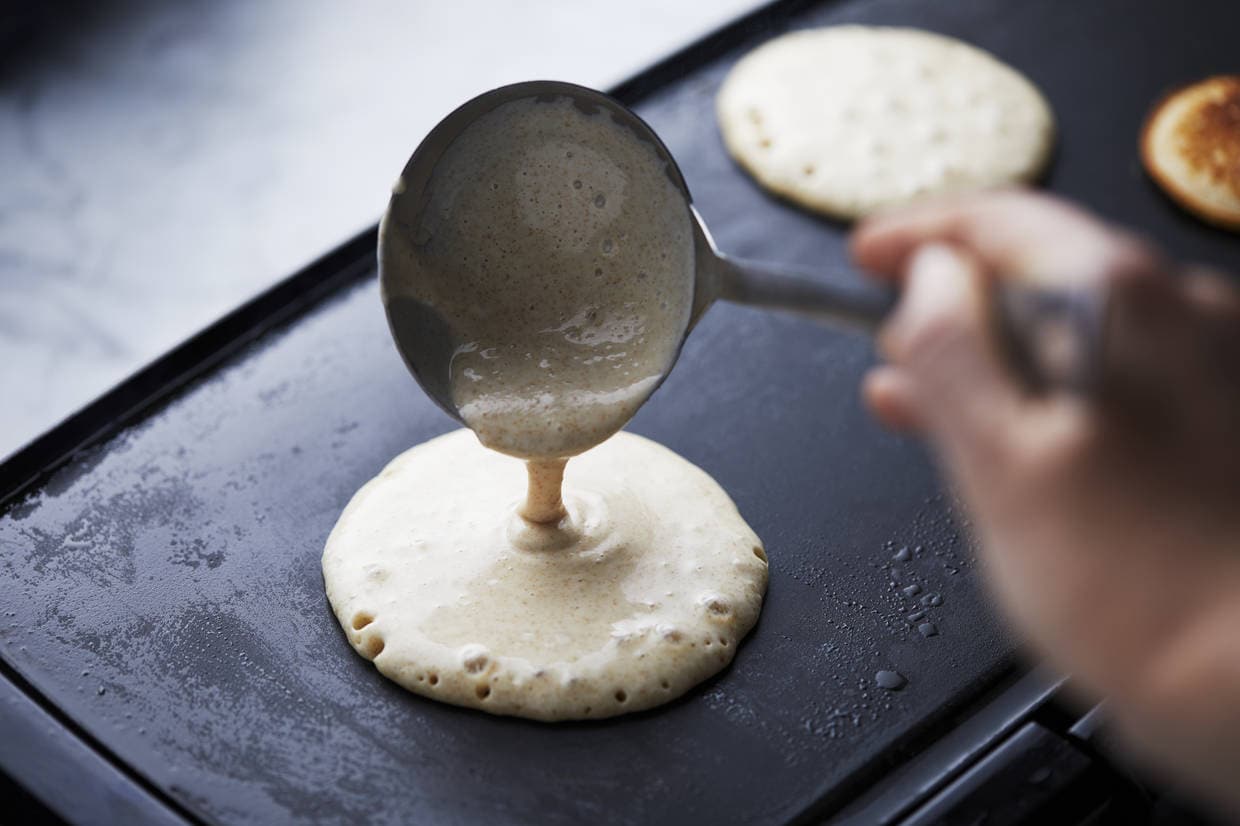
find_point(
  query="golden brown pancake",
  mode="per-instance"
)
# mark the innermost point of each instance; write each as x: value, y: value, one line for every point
x: 1190, y: 146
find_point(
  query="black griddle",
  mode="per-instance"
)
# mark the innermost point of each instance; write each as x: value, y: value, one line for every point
x: 167, y: 653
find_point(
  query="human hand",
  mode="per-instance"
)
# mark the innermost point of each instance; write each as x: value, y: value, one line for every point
x: 1109, y: 526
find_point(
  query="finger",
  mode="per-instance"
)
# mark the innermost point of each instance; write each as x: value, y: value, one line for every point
x: 1016, y: 233
x: 1162, y: 340
x: 882, y: 243
x: 1003, y: 228
x: 1215, y: 297
x: 888, y: 392
x: 941, y: 337
x: 1211, y: 292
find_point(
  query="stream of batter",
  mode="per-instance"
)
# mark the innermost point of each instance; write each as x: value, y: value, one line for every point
x: 559, y: 255
x: 544, y: 503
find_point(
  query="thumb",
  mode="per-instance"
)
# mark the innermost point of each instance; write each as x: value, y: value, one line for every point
x: 941, y: 339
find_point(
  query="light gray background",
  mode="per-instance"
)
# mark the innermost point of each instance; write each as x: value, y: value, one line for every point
x: 162, y: 162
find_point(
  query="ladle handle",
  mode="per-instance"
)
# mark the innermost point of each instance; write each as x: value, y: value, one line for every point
x: 1052, y: 337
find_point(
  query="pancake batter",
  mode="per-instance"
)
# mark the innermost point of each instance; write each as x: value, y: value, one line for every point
x: 644, y: 590
x: 557, y: 255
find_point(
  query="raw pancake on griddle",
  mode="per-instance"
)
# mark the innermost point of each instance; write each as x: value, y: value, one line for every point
x: 851, y: 119
x: 643, y: 592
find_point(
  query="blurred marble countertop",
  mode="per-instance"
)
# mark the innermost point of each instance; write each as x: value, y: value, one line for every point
x: 163, y: 162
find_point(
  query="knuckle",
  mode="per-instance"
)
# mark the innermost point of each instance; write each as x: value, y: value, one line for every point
x: 1211, y: 292
x: 890, y: 341
x: 1129, y: 259
x: 1056, y: 446
x: 994, y: 445
x: 933, y: 332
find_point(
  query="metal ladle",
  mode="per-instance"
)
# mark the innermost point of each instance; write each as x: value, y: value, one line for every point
x: 1052, y: 337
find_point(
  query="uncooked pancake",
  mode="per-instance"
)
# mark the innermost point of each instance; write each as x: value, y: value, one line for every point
x: 559, y: 254
x: 644, y: 590
x: 1191, y: 146
x: 851, y: 119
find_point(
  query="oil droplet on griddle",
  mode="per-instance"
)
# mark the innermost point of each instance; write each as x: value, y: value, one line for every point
x: 890, y: 680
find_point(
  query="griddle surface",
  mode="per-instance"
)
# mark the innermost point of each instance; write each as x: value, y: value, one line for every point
x: 163, y: 589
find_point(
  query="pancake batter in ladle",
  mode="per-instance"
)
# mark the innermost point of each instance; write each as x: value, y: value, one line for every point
x: 557, y: 254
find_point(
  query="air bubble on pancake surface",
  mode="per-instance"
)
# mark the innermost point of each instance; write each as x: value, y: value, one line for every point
x: 717, y: 607
x: 475, y: 658
x: 373, y: 646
